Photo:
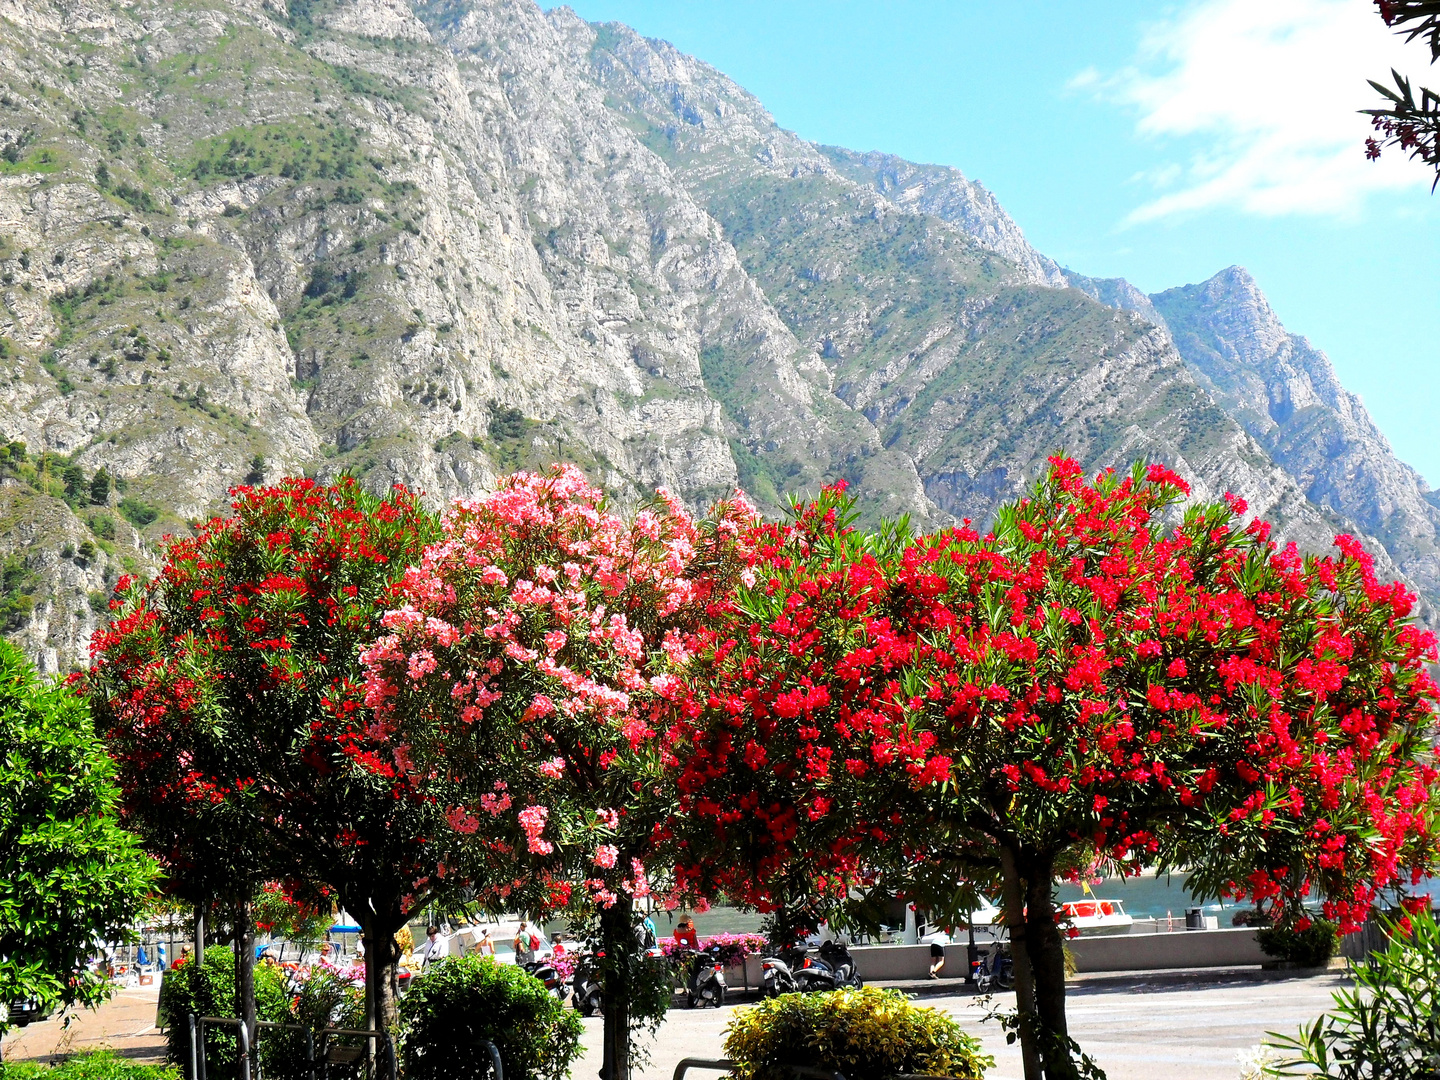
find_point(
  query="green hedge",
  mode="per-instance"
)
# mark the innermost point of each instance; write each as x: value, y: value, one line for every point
x: 1311, y: 947
x: 868, y: 1033
x: 97, y: 1065
x: 466, y: 998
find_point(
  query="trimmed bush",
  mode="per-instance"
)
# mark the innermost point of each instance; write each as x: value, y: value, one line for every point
x: 1310, y: 948
x: 467, y: 998
x: 96, y: 1065
x: 210, y: 991
x: 864, y: 1033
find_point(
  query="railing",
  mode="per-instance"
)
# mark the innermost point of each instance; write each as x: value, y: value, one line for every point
x: 317, y: 1067
x: 494, y: 1052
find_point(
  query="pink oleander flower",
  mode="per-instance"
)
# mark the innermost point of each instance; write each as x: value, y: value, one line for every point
x: 554, y: 768
x: 606, y: 855
x: 532, y: 820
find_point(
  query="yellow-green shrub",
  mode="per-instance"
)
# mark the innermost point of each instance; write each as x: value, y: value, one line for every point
x: 861, y: 1033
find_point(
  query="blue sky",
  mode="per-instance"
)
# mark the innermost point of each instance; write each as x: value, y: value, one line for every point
x: 1157, y: 142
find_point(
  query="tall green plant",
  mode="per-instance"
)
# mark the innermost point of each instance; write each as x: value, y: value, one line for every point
x: 1385, y: 1026
x: 69, y: 874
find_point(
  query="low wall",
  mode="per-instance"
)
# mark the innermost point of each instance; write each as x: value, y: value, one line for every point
x: 1183, y: 949
x: 1113, y: 952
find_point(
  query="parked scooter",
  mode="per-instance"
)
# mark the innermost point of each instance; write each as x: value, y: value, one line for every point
x: 586, y: 993
x: 545, y: 971
x: 706, y: 984
x: 832, y: 969
x: 995, y: 970
x: 776, y: 977
x: 836, y: 954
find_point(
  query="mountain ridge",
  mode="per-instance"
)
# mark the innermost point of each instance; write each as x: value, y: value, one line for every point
x: 432, y: 242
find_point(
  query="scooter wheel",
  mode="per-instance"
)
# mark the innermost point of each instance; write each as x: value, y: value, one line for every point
x: 855, y: 982
x: 719, y: 995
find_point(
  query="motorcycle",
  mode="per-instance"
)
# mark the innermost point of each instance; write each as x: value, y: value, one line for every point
x: 706, y: 984
x: 995, y: 970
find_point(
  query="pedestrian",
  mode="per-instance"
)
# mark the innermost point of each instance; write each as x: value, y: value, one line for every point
x: 937, y: 939
x: 684, y: 935
x: 432, y: 949
x: 484, y: 944
x: 525, y: 944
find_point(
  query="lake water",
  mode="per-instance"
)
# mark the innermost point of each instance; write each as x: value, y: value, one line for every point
x: 1147, y: 897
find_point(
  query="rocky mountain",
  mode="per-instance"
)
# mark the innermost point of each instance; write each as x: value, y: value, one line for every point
x: 431, y: 242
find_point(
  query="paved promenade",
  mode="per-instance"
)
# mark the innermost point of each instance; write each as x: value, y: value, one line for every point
x: 1190, y: 1026
x: 1137, y: 1028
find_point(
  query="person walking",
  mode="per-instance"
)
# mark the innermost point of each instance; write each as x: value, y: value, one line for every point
x: 484, y: 944
x: 525, y: 944
x: 431, y: 949
x: 937, y: 939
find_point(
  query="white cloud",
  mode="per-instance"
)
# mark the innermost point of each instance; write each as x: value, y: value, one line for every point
x: 1265, y: 93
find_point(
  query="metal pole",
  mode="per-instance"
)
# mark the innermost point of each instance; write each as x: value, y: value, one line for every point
x: 244, y: 1050
x: 194, y: 1073
x: 310, y: 1053
x: 494, y: 1053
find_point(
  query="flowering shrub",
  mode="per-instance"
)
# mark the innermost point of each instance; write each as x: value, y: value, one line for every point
x: 735, y: 946
x: 1311, y: 947
x: 1104, y: 678
x: 867, y: 1032
x: 528, y: 673
x: 284, y: 911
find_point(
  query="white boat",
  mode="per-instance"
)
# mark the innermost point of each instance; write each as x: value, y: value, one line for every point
x: 1095, y: 916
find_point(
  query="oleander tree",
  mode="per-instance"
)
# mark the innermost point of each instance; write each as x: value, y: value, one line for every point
x: 70, y: 875
x: 1109, y: 678
x: 230, y: 690
x: 529, y: 672
x: 1409, y: 121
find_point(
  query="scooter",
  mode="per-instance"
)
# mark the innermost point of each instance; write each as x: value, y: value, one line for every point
x: 586, y: 993
x: 776, y: 978
x: 836, y: 955
x: 706, y: 985
x: 816, y: 974
x: 995, y: 970
x: 545, y: 971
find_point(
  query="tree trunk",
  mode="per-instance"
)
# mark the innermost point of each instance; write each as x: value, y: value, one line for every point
x: 1047, y: 955
x: 1039, y: 953
x: 1014, y: 891
x: 382, y: 957
x: 245, y: 982
x: 617, y: 937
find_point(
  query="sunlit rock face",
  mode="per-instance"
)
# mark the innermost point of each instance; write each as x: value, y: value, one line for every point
x: 430, y: 243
